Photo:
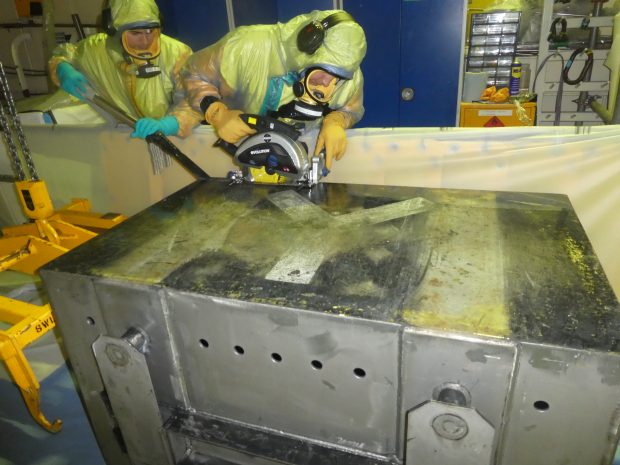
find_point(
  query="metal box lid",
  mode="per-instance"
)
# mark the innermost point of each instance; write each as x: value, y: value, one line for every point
x: 507, y: 265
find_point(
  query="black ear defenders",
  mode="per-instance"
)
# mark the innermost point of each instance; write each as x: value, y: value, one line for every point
x: 311, y: 36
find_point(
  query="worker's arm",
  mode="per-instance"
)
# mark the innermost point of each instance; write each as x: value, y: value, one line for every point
x: 64, y: 53
x: 204, y: 87
x: 186, y: 117
x: 201, y: 76
x: 353, y: 106
x: 332, y: 137
x: 181, y: 119
x: 64, y: 74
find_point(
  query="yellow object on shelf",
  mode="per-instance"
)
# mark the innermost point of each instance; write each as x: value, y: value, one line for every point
x: 479, y: 115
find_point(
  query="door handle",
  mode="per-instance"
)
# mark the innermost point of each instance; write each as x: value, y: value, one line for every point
x: 407, y: 93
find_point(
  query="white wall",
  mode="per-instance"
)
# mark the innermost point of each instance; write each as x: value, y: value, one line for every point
x: 31, y: 52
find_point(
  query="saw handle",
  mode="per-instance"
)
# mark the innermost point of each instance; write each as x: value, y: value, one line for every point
x: 228, y: 147
x: 268, y: 124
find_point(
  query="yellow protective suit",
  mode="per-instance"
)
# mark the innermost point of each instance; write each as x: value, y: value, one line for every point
x: 100, y: 58
x: 238, y: 68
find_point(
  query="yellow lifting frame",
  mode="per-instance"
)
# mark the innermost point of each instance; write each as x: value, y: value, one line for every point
x: 29, y: 322
x: 26, y: 248
x: 49, y: 234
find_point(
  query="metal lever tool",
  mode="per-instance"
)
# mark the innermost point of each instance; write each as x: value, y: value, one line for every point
x: 160, y: 141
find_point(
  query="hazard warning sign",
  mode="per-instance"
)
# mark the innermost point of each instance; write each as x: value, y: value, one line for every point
x: 494, y: 122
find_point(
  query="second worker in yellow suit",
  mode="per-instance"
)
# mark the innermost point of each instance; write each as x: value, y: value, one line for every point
x: 256, y: 69
x: 132, y: 65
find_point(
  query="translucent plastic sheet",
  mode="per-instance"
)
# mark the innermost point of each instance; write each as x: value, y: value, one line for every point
x: 531, y: 10
x: 114, y: 171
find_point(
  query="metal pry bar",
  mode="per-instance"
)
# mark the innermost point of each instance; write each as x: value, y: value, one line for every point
x: 158, y: 138
x: 17, y: 126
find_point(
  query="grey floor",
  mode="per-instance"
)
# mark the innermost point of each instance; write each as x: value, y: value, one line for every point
x: 22, y: 440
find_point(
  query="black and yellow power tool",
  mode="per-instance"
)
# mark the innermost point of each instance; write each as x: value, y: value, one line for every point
x: 277, y: 149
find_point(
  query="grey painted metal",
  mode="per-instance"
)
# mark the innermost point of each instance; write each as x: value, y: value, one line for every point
x: 121, y: 302
x: 562, y: 397
x: 481, y: 366
x: 230, y: 13
x: 593, y: 38
x: 128, y: 384
x: 7, y: 178
x: 389, y: 368
x: 290, y: 370
x: 80, y: 328
x: 449, y: 435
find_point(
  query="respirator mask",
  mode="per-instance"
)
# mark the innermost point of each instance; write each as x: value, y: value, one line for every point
x: 313, y: 93
x: 140, y: 61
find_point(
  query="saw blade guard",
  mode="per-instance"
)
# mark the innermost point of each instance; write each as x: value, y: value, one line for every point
x: 277, y: 153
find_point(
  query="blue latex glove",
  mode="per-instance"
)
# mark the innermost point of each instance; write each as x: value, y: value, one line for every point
x: 168, y: 125
x: 71, y: 80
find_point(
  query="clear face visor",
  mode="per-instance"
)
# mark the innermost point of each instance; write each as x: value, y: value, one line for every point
x: 140, y: 47
x: 313, y: 94
x: 319, y: 86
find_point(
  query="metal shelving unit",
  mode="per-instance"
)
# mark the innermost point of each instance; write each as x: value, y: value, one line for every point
x: 493, y: 44
x: 573, y: 108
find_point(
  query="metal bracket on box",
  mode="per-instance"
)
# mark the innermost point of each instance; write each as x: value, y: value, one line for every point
x: 448, y: 430
x: 127, y: 381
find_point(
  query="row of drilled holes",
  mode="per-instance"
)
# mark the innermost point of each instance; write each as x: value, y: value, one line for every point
x: 277, y: 358
x: 540, y: 405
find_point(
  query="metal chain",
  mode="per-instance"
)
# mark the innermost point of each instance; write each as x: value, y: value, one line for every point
x: 6, y: 132
x: 8, y: 97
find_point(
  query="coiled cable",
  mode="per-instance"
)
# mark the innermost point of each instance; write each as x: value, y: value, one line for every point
x: 558, y: 97
x: 586, y: 67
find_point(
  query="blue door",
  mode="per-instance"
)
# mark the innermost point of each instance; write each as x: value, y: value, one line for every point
x: 432, y: 35
x: 412, y: 66
x: 197, y: 23
x: 381, y: 66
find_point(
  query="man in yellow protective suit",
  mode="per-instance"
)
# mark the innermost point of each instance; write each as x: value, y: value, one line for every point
x: 260, y: 69
x: 131, y: 65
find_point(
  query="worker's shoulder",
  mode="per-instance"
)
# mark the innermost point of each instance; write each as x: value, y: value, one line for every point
x: 95, y: 40
x: 256, y: 33
x: 251, y: 38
